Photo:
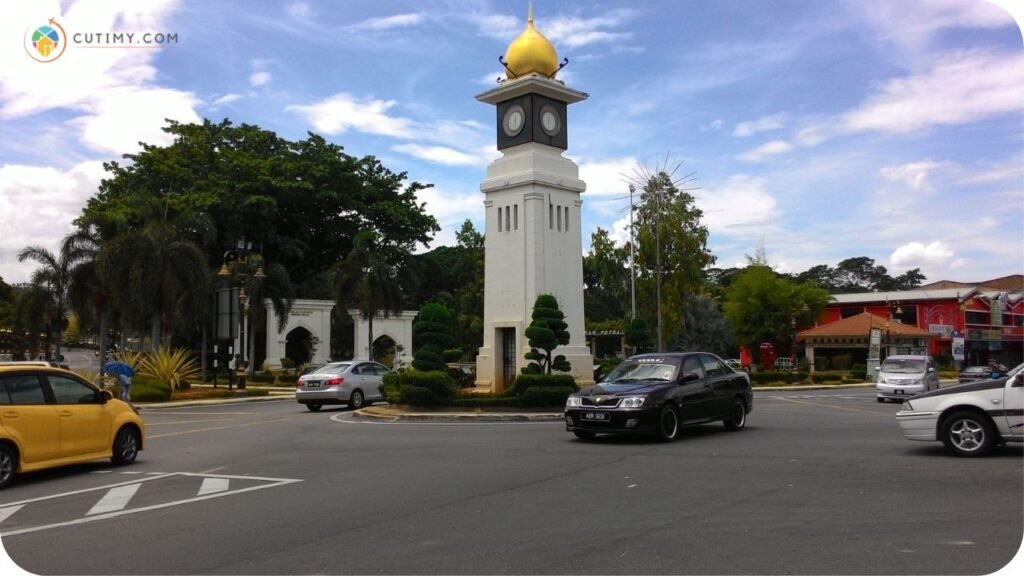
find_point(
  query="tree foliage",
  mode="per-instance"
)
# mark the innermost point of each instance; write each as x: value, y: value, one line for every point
x: 546, y: 332
x: 705, y: 327
x: 433, y: 330
x: 669, y: 230
x: 763, y: 306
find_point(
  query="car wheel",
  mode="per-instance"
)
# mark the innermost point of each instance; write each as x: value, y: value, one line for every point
x: 583, y: 435
x: 355, y: 401
x: 8, y: 465
x: 967, y: 433
x: 126, y: 447
x: 668, y: 423
x: 880, y: 399
x: 737, y: 417
x: 314, y: 406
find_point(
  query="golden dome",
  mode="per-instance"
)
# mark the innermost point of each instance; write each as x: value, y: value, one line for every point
x: 531, y: 52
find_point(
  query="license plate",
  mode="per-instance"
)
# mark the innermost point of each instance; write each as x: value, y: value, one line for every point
x: 595, y: 416
x: 898, y: 391
x: 313, y: 384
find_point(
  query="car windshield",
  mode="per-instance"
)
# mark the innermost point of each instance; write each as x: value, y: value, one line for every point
x: 331, y: 369
x: 903, y: 365
x: 637, y: 371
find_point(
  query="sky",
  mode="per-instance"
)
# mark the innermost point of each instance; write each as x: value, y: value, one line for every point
x: 815, y: 131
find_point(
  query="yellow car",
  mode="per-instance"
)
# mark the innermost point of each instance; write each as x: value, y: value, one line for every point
x: 52, y: 417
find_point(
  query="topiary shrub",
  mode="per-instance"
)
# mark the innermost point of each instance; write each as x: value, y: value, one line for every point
x: 545, y: 333
x: 416, y: 388
x: 433, y: 329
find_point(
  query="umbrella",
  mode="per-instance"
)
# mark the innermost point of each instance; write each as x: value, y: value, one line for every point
x: 116, y: 368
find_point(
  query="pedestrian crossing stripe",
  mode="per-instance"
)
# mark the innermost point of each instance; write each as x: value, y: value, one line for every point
x: 116, y: 497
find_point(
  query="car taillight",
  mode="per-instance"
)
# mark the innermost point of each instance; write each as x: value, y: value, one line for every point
x: 334, y: 382
x: 298, y: 382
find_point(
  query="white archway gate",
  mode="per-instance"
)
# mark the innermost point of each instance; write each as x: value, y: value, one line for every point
x: 398, y: 327
x: 312, y: 315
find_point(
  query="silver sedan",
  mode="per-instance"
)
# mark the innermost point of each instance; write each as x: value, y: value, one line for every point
x: 354, y: 382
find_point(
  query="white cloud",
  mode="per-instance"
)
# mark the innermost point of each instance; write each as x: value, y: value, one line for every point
x: 963, y: 86
x: 714, y: 125
x: 300, y: 11
x: 741, y: 202
x: 608, y: 178
x: 37, y: 205
x: 576, y: 32
x: 914, y: 174
x: 227, y: 99
x: 765, y: 124
x: 120, y: 119
x: 114, y: 89
x: 926, y: 257
x: 341, y: 112
x: 497, y: 26
x: 440, y: 155
x: 259, y: 79
x: 763, y: 151
x: 387, y: 22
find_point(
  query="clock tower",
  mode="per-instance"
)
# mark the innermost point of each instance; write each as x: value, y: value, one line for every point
x: 533, y: 236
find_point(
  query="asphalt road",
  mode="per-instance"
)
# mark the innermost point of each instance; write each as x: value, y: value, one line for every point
x: 818, y: 483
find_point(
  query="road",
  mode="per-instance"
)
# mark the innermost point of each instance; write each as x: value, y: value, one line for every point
x: 819, y: 483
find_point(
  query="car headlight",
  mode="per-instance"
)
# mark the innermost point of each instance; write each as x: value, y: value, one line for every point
x: 632, y: 402
x: 573, y: 402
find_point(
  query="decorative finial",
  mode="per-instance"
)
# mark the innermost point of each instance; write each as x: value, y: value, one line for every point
x: 529, y: 15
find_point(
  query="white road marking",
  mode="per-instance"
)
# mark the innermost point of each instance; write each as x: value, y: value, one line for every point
x: 269, y: 483
x: 6, y: 512
x: 114, y: 500
x: 213, y: 485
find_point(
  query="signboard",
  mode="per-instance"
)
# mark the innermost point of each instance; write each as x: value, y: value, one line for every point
x: 227, y: 314
x: 958, y: 348
x: 874, y: 346
x: 941, y: 330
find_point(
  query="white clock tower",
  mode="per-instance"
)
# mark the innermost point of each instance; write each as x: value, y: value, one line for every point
x: 533, y: 236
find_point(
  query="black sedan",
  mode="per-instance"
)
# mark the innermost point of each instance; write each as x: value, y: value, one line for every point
x: 975, y: 373
x: 658, y: 393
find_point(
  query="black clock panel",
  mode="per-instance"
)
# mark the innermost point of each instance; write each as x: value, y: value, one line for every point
x: 532, y: 118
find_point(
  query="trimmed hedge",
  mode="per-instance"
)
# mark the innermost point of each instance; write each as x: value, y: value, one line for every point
x: 545, y: 396
x: 147, y: 389
x: 416, y: 388
x: 524, y: 382
x: 776, y: 377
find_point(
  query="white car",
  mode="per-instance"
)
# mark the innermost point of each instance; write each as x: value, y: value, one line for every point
x: 353, y: 382
x: 969, y: 419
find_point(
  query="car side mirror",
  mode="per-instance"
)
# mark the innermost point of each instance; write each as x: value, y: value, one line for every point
x: 690, y: 377
x: 1018, y: 380
x: 104, y: 396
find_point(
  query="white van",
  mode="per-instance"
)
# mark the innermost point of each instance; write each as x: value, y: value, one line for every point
x: 903, y: 375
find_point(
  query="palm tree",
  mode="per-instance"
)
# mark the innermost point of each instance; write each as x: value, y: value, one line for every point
x: 157, y: 274
x: 371, y: 277
x: 48, y: 298
x: 705, y: 327
x: 89, y: 294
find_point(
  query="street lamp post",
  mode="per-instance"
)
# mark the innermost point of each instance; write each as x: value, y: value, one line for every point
x: 632, y: 255
x: 237, y: 264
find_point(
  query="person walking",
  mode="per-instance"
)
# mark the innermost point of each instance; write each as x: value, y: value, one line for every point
x: 124, y: 382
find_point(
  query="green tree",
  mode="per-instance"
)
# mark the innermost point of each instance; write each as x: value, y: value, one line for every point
x: 706, y: 328
x: 158, y: 274
x: 606, y: 279
x: 371, y: 278
x: 546, y: 332
x: 638, y: 336
x: 763, y: 306
x: 433, y: 329
x: 670, y: 236
x: 48, y: 301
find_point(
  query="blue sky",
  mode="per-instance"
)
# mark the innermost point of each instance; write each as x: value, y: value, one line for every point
x: 822, y: 130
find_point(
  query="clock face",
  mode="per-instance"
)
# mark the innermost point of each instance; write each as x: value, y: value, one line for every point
x: 549, y: 120
x: 515, y: 118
